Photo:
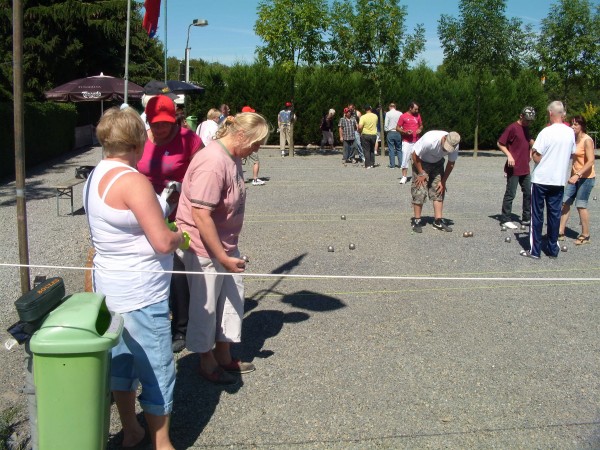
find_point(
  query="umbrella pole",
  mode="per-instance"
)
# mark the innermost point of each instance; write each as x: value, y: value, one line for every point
x: 125, y: 89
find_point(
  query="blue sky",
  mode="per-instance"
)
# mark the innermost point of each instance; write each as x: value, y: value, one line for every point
x: 230, y: 38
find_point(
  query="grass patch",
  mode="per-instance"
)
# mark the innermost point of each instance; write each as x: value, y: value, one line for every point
x: 7, y: 425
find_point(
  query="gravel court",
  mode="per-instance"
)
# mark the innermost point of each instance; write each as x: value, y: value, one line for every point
x: 365, y: 363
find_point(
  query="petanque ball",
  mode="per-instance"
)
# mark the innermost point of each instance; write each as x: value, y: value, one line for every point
x: 507, y: 239
x: 245, y: 258
x: 330, y: 248
x: 595, y: 198
x: 523, y: 227
x: 352, y: 246
x: 563, y: 248
x: 466, y: 234
x: 343, y: 217
x: 470, y: 234
x: 503, y: 228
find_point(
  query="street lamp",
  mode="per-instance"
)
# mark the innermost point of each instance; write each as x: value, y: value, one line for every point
x: 195, y: 23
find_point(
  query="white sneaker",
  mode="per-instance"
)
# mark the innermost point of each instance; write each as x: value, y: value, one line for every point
x: 510, y: 225
x: 403, y: 180
x: 257, y: 182
x: 282, y: 153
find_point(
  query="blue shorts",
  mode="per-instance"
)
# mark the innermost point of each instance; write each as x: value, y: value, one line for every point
x: 579, y: 192
x: 144, y: 355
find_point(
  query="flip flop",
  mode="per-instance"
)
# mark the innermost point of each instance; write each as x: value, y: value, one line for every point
x: 581, y: 240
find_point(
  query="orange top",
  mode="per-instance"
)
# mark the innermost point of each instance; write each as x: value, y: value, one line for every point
x: 579, y: 159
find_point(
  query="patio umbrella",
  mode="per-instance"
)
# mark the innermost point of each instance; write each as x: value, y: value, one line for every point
x: 181, y: 87
x: 94, y: 89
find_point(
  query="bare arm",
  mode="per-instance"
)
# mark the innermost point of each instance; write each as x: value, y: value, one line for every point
x: 442, y: 186
x: 535, y: 156
x: 210, y: 237
x: 421, y: 177
x: 590, y: 159
x: 134, y: 192
x: 509, y: 158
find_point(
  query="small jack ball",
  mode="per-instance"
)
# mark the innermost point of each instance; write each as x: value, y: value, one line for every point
x: 503, y: 228
x: 507, y: 239
x: 352, y: 246
x: 343, y: 217
x: 245, y: 258
x: 466, y: 234
x: 330, y: 248
x: 563, y: 248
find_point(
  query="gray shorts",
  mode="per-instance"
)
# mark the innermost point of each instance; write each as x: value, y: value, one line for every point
x: 253, y: 158
x: 434, y: 172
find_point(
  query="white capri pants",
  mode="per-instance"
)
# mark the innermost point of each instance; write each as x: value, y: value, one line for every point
x: 407, y: 149
x: 216, y: 304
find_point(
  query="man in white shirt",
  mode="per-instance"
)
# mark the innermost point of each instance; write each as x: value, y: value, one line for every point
x: 429, y: 176
x: 552, y: 152
x: 393, y: 137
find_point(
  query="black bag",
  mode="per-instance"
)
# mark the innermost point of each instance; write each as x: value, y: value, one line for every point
x: 36, y: 304
x: 83, y: 172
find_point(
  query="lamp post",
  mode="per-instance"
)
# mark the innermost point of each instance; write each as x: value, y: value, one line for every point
x: 195, y: 23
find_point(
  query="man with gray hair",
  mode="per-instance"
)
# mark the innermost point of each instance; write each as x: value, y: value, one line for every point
x: 551, y: 154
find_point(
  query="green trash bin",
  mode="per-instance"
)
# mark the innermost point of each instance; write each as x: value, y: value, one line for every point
x: 192, y: 122
x: 71, y: 369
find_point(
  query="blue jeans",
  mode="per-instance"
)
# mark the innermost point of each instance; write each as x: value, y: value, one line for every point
x: 579, y: 192
x: 550, y: 197
x: 357, y: 145
x: 144, y: 355
x: 348, y: 145
x: 394, y: 142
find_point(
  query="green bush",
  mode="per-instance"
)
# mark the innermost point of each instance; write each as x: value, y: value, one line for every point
x: 49, y: 132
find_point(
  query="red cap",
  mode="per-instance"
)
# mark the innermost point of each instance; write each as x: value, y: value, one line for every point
x: 160, y: 109
x: 248, y: 109
x: 288, y: 104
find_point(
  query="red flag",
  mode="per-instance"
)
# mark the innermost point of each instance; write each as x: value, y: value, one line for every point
x: 150, y: 23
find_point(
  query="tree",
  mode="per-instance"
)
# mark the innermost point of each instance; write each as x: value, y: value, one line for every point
x: 569, y: 44
x: 70, y: 39
x: 482, y: 41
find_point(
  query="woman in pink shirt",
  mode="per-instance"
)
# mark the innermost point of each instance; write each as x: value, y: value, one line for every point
x: 211, y: 210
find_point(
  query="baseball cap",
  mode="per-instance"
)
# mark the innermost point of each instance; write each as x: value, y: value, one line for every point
x: 528, y: 113
x: 248, y: 109
x: 367, y: 107
x: 160, y: 109
x: 332, y: 111
x: 155, y: 87
x: 288, y: 104
x: 451, y: 142
x: 346, y: 110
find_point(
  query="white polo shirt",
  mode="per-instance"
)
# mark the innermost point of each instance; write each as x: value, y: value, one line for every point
x: 556, y: 144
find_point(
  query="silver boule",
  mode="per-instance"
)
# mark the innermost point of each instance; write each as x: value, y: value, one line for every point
x: 343, y: 217
x: 466, y: 234
x: 330, y: 248
x: 245, y: 258
x: 352, y: 246
x: 564, y: 248
x: 503, y: 228
x: 470, y: 234
x: 507, y: 239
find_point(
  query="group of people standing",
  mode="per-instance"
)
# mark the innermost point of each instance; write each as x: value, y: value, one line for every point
x: 160, y: 200
x: 550, y: 185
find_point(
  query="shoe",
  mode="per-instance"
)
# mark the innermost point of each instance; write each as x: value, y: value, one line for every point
x: 440, y: 224
x: 237, y: 366
x: 257, y: 182
x: 403, y: 180
x: 218, y: 376
x: 369, y: 167
x: 282, y: 153
x: 178, y: 344
x: 391, y: 167
x: 527, y: 254
x: 143, y: 443
x: 582, y: 240
x: 417, y: 225
x: 561, y: 237
x: 510, y: 225
x: 526, y: 222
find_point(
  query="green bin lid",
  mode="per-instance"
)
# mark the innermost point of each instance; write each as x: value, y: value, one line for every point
x: 82, y: 324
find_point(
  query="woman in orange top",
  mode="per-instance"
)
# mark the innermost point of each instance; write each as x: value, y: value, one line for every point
x: 580, y: 183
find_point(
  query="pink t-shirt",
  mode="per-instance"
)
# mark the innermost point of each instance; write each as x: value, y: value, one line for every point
x: 409, y: 122
x: 214, y: 181
x: 163, y: 163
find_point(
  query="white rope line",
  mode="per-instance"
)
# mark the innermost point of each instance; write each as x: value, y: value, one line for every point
x: 289, y: 275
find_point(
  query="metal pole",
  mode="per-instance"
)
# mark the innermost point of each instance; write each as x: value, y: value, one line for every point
x: 19, y: 130
x: 187, y: 65
x: 126, y: 88
x: 165, y: 41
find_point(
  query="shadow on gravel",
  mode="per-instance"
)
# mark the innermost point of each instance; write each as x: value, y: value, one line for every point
x: 34, y: 190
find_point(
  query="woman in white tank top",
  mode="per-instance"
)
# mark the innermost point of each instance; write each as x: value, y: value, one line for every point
x: 129, y: 233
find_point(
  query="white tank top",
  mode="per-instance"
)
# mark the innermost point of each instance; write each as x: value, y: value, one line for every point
x: 121, y: 244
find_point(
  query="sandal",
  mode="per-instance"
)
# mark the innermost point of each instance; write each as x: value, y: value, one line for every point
x: 581, y: 240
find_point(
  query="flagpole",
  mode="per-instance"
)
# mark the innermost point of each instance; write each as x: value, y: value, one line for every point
x: 165, y: 41
x: 126, y: 88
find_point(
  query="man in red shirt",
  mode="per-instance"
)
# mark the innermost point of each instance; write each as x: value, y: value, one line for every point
x: 516, y: 144
x: 410, y: 127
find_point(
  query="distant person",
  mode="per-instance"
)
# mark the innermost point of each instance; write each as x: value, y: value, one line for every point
x: 152, y: 89
x: 377, y: 112
x: 166, y: 157
x: 285, y: 118
x: 347, y: 127
x: 253, y: 157
x: 429, y: 177
x: 327, y: 129
x: 515, y: 142
x: 134, y: 257
x: 367, y: 127
x: 207, y: 129
x: 358, y: 151
x: 410, y: 126
x: 224, y: 113
x: 581, y: 182
x: 551, y: 154
x: 393, y: 137
x: 211, y: 210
